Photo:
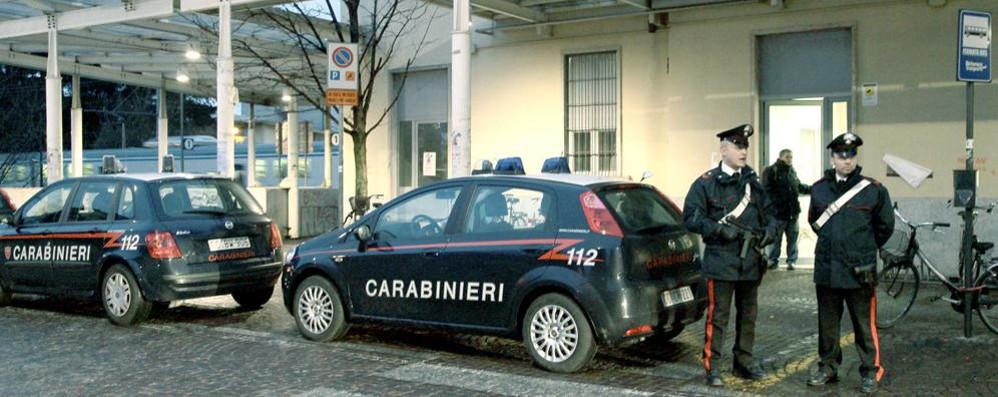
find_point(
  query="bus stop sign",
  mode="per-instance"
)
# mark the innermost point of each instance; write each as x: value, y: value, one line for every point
x: 974, y: 57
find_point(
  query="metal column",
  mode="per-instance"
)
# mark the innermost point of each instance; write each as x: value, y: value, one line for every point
x: 294, y: 211
x: 225, y: 93
x: 161, y: 128
x: 460, y: 153
x: 76, y: 136
x: 327, y: 154
x: 53, y: 108
x: 251, y: 148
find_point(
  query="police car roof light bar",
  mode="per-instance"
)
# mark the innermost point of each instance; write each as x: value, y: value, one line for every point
x: 484, y: 167
x: 509, y: 166
x: 556, y: 165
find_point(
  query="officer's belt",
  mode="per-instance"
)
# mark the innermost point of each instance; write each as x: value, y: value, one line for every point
x: 735, y: 213
x: 838, y: 204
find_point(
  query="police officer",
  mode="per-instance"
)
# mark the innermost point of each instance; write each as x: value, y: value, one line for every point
x: 730, y: 191
x: 852, y: 216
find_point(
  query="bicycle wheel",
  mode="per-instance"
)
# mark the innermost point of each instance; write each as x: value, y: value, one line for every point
x: 897, y: 288
x: 987, y: 299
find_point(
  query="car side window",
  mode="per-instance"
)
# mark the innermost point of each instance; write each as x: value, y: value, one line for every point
x: 48, y: 207
x: 424, y: 215
x: 498, y: 209
x: 92, y: 201
x: 126, y: 204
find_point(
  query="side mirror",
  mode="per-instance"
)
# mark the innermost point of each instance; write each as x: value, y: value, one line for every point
x: 363, y: 234
x: 645, y: 175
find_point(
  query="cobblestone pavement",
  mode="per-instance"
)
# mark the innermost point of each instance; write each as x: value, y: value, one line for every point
x: 210, y: 346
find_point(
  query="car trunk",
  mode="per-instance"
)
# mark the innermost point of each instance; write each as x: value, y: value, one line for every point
x: 210, y: 240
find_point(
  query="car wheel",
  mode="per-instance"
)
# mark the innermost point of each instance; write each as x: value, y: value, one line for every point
x: 318, y: 310
x: 122, y: 298
x: 557, y: 334
x: 253, y: 299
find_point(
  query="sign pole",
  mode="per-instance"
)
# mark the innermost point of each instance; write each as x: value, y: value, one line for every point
x: 973, y: 64
x: 967, y: 253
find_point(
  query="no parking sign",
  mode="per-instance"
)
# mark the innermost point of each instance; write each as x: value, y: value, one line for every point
x: 341, y: 82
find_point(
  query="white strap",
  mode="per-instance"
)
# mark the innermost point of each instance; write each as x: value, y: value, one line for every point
x: 737, y: 212
x: 841, y: 202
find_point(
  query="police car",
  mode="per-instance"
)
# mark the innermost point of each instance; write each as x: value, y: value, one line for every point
x: 564, y: 262
x: 138, y: 241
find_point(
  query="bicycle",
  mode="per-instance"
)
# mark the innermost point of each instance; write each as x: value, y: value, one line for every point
x: 898, y: 279
x: 359, y: 207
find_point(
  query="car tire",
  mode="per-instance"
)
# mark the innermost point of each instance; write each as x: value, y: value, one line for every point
x: 318, y: 310
x: 159, y: 308
x: 122, y: 298
x: 557, y: 334
x: 254, y: 298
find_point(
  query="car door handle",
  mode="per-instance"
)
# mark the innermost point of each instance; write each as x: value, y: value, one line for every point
x: 533, y: 251
x: 432, y: 253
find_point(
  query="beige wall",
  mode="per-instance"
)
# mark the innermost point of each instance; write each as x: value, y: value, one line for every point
x: 683, y: 83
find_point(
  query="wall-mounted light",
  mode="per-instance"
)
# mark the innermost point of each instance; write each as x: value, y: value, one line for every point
x: 182, y: 77
x: 192, y: 54
x: 286, y: 95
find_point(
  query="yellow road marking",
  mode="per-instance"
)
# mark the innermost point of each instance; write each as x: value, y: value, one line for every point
x: 801, y: 365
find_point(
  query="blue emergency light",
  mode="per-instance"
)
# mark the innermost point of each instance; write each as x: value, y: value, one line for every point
x: 556, y: 165
x: 509, y: 166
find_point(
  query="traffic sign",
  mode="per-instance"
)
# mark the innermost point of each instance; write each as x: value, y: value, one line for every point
x: 974, y: 57
x: 342, y: 66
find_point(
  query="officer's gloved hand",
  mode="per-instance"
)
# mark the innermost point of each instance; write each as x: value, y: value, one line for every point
x: 728, y: 233
x: 768, y: 238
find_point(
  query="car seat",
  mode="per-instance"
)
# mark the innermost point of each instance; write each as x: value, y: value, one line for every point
x: 173, y: 204
x: 493, y: 209
x: 101, y: 206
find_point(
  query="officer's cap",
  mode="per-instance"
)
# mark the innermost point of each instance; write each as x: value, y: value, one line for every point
x: 738, y: 135
x: 845, y: 145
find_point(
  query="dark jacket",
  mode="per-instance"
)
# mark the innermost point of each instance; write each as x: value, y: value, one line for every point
x: 782, y: 188
x: 853, y: 235
x: 713, y: 195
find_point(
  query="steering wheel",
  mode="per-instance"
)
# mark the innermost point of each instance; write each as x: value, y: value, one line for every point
x: 423, y: 225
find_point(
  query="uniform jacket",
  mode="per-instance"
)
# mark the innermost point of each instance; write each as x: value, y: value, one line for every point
x: 853, y: 235
x: 782, y: 188
x: 713, y: 195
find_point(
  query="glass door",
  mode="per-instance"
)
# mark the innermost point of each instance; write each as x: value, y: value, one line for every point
x: 805, y: 126
x: 422, y: 153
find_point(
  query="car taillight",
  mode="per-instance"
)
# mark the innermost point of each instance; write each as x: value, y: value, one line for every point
x: 275, y: 237
x: 599, y: 218
x: 161, y: 245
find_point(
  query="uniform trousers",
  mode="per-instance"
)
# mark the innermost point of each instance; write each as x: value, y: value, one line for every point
x: 862, y: 305
x: 719, y: 296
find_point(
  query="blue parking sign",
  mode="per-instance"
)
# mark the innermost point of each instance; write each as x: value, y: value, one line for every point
x: 974, y: 57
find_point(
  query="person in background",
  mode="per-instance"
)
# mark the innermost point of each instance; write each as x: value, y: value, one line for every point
x: 782, y: 188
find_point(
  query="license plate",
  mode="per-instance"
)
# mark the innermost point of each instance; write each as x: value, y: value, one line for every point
x: 676, y: 296
x: 225, y: 244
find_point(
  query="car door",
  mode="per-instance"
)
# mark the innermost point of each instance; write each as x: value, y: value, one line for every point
x: 503, y: 233
x: 388, y: 279
x: 77, y: 242
x: 27, y: 250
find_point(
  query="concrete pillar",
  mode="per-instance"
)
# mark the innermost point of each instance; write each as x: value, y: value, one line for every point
x: 460, y: 150
x: 162, y: 133
x: 225, y: 93
x: 294, y: 212
x: 251, y: 148
x: 76, y: 135
x: 53, y: 108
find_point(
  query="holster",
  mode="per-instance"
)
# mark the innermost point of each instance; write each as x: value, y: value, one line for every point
x: 866, y: 274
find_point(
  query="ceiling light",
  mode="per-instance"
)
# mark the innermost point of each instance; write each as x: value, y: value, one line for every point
x: 192, y: 54
x: 183, y: 77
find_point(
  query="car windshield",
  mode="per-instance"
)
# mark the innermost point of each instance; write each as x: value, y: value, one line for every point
x: 642, y: 210
x: 206, y: 198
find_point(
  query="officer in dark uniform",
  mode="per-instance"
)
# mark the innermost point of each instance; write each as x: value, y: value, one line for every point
x: 732, y: 189
x: 850, y: 231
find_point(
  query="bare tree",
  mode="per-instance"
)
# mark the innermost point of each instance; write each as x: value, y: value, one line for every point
x: 388, y: 33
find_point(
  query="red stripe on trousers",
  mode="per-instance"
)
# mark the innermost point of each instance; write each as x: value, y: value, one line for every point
x: 876, y: 339
x: 710, y: 324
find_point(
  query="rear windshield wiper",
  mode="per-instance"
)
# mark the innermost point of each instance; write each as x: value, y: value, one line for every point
x: 207, y: 211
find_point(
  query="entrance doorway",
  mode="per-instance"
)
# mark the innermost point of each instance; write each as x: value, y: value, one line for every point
x: 805, y: 90
x: 419, y: 147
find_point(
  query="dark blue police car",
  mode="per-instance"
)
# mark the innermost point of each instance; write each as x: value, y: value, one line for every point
x: 564, y: 262
x: 137, y: 242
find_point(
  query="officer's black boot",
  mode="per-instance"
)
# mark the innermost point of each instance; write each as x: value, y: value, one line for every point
x: 714, y: 378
